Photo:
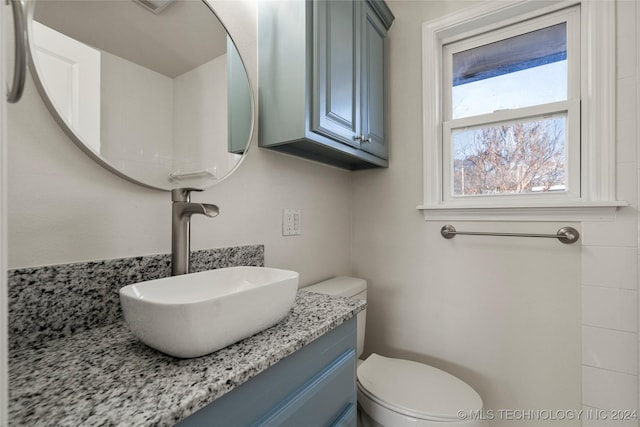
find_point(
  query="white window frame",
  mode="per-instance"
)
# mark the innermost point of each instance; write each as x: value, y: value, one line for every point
x: 571, y: 106
x: 594, y: 199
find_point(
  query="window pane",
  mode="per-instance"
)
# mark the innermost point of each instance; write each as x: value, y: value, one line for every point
x: 527, y: 156
x: 522, y: 71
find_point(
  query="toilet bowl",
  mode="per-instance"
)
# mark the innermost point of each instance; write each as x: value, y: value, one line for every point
x: 397, y: 392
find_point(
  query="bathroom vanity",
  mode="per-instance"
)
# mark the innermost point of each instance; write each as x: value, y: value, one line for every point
x: 314, y: 386
x: 303, y: 368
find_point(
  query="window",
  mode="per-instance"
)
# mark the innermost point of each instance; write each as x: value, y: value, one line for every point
x: 511, y: 96
x: 519, y: 109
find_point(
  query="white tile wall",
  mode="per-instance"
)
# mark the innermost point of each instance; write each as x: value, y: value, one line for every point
x: 625, y: 132
x: 621, y: 263
x: 626, y: 175
x: 610, y: 259
x: 594, y: 417
x: 621, y: 232
x: 610, y: 308
x: 610, y: 349
x: 609, y: 390
x: 626, y: 99
x: 626, y: 34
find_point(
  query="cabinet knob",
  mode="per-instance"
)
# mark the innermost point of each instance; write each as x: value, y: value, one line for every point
x: 366, y: 140
x: 357, y: 137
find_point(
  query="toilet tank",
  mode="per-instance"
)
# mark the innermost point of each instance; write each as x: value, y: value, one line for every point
x: 350, y: 287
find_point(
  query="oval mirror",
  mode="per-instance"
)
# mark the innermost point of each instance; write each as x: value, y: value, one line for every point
x: 154, y: 90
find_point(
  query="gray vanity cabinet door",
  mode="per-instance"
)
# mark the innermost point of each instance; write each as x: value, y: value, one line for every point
x: 313, y: 387
x: 373, y: 83
x: 336, y: 70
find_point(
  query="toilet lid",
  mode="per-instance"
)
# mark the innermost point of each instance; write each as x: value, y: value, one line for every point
x: 416, y: 389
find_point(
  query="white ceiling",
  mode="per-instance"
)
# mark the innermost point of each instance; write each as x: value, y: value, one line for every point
x: 183, y: 36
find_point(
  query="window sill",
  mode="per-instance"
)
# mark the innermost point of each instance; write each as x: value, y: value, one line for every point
x: 573, y: 211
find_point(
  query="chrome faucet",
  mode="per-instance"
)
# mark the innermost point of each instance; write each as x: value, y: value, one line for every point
x: 181, y: 211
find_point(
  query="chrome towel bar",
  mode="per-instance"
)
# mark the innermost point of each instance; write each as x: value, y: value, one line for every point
x: 566, y: 235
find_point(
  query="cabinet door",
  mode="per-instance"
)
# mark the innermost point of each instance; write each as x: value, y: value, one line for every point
x: 348, y: 418
x: 373, y: 83
x: 328, y: 395
x: 336, y: 70
x: 313, y: 387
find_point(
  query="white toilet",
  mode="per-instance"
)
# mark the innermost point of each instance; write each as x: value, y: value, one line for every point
x: 397, y: 392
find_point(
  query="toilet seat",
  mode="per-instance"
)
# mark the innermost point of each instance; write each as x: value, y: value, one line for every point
x: 415, y: 389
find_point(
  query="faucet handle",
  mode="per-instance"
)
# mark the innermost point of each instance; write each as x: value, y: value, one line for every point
x: 182, y: 194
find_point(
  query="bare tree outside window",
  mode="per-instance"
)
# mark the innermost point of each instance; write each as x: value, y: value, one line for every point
x: 510, y: 158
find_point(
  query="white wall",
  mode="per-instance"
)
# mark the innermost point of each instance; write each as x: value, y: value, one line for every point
x: 63, y: 207
x: 136, y: 118
x: 201, y: 120
x: 610, y: 253
x: 504, y: 315
x: 153, y: 125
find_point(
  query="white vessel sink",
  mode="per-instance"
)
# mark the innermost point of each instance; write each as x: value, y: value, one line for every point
x: 196, y: 314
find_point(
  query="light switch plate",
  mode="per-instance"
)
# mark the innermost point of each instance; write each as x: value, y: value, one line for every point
x: 290, y: 222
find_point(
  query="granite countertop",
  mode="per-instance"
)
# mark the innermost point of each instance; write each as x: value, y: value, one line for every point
x: 106, y: 377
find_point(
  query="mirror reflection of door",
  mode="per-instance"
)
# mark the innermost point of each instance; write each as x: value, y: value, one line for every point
x: 162, y: 97
x: 75, y: 69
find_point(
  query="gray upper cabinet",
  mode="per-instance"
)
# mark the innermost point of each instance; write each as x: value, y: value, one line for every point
x: 322, y: 80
